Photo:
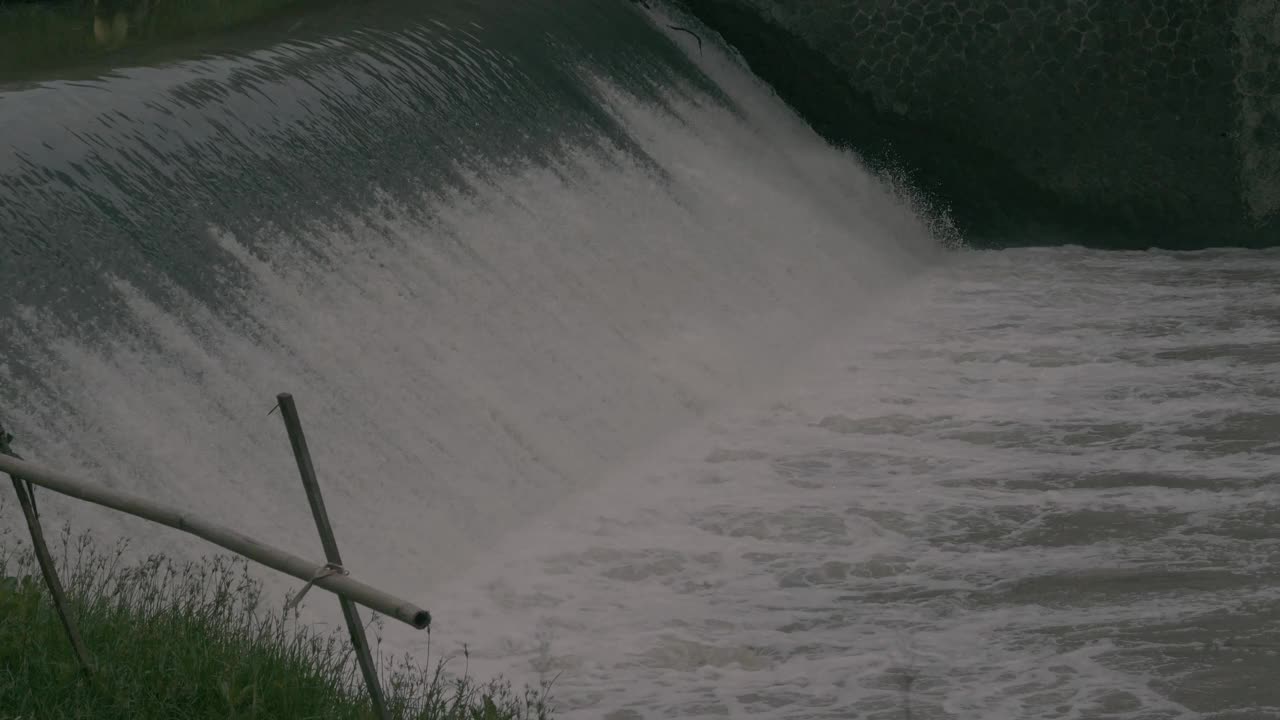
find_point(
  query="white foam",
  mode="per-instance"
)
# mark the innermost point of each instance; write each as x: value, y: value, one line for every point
x: 1024, y: 533
x: 459, y: 375
x: 557, y: 414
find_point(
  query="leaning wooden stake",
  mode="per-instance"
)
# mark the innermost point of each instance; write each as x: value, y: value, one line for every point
x: 189, y: 522
x: 308, y: 472
x: 26, y: 499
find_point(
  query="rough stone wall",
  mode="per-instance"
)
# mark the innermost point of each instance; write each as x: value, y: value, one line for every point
x: 1159, y: 112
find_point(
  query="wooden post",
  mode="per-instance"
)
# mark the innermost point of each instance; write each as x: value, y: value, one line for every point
x: 238, y: 543
x: 26, y: 498
x: 308, y: 472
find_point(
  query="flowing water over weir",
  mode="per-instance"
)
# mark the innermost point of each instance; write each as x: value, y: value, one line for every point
x: 489, y: 267
x: 634, y: 381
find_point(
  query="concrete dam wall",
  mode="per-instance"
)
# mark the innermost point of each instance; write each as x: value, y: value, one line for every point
x: 1153, y: 122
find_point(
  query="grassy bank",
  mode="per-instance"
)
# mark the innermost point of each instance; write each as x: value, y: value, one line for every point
x: 192, y: 640
x: 37, y: 36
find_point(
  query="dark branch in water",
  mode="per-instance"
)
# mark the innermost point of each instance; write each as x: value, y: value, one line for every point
x: 645, y: 4
x: 687, y: 30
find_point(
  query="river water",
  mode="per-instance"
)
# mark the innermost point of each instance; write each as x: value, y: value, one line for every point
x: 638, y: 384
x: 1038, y: 483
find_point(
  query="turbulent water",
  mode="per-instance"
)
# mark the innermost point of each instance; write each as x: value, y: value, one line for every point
x: 475, y: 329
x: 638, y: 384
x: 1042, y: 484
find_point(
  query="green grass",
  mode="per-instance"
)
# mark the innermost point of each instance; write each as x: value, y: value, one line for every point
x: 183, y: 640
x: 44, y: 35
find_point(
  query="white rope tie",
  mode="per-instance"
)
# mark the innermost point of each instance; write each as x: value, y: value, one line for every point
x: 323, y: 572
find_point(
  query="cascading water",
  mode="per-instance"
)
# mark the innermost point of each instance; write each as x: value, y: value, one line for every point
x: 489, y: 267
x: 635, y: 381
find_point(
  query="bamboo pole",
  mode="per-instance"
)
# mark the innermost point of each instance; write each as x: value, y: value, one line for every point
x: 238, y: 543
x: 26, y: 498
x: 51, y: 580
x: 307, y: 470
